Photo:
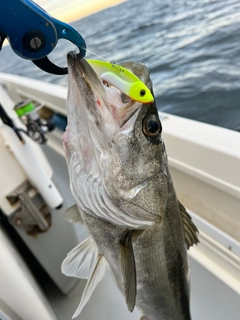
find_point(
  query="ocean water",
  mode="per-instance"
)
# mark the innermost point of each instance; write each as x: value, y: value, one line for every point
x: 191, y: 47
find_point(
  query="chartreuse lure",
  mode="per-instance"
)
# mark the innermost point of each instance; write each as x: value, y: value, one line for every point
x: 123, y: 79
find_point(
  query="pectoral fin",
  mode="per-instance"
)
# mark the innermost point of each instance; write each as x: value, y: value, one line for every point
x: 128, y: 269
x: 190, y: 230
x: 73, y: 215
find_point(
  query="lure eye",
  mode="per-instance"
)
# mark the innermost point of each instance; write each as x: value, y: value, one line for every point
x: 142, y: 93
x: 152, y: 126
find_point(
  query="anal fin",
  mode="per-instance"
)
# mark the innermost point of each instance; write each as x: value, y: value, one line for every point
x: 128, y: 269
x: 190, y: 230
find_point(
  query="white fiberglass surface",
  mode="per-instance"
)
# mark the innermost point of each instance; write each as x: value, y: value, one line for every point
x: 211, y: 299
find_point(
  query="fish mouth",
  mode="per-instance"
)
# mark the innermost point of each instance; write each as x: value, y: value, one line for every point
x: 111, y: 108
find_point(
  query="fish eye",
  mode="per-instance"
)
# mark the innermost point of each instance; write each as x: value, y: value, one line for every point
x: 142, y: 93
x: 152, y: 126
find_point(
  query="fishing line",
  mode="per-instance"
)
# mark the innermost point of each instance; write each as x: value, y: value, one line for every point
x: 96, y: 55
x: 113, y: 63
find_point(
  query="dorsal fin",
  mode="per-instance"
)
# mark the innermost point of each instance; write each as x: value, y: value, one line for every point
x: 128, y: 269
x: 190, y: 230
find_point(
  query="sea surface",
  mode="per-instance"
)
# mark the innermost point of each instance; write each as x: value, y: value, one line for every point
x: 191, y: 47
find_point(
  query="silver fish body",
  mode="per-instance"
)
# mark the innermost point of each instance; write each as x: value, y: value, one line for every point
x: 120, y: 180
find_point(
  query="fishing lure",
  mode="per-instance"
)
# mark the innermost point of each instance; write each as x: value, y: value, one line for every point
x: 122, y: 79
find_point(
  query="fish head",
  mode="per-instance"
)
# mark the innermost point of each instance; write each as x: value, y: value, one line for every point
x: 115, y: 140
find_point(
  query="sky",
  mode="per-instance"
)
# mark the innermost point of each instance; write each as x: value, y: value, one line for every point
x: 71, y: 10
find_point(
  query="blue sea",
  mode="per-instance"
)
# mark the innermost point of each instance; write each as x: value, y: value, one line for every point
x: 191, y: 47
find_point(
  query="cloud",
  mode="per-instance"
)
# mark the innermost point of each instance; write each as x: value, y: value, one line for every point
x: 74, y: 9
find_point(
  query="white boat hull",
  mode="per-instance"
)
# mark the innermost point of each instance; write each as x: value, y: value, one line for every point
x: 204, y: 162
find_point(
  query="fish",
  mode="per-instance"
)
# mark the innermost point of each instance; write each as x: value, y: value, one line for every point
x: 123, y: 79
x: 124, y: 194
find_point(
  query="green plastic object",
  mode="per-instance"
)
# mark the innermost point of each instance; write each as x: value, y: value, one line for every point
x: 23, y: 109
x: 123, y: 79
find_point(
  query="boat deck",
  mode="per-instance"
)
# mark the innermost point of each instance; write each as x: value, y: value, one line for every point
x: 211, y: 298
x: 196, y: 153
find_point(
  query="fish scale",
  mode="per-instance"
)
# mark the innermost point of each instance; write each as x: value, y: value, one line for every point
x: 158, y: 299
x: 125, y: 197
